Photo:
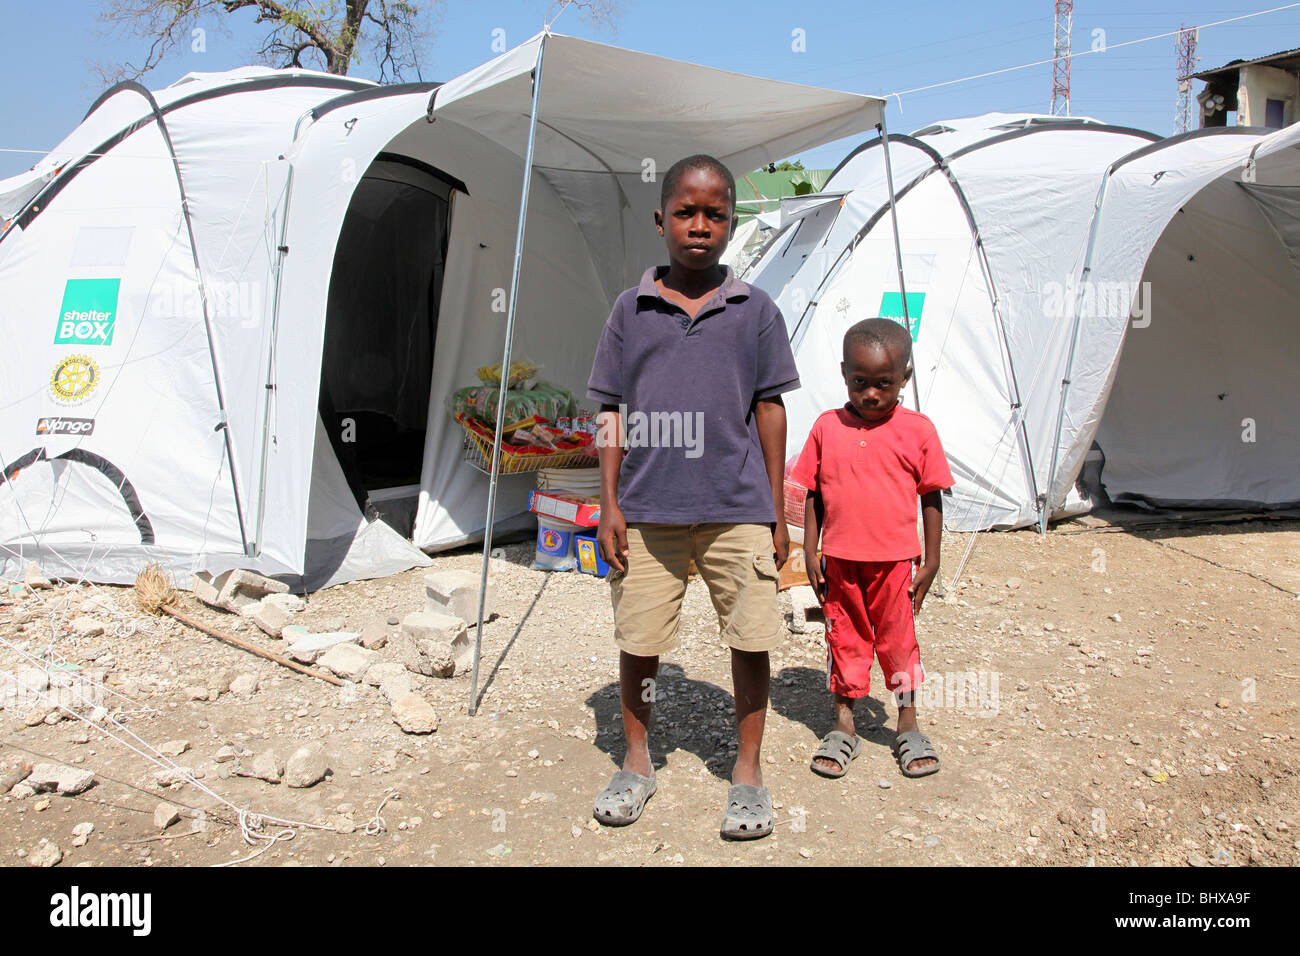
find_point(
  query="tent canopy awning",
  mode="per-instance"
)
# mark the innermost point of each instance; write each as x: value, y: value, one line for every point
x: 608, y: 109
x: 797, y: 207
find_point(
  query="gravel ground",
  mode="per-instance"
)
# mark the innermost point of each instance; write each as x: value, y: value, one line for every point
x: 1097, y: 697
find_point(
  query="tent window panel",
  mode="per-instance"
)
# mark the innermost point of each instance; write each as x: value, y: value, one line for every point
x: 381, y: 326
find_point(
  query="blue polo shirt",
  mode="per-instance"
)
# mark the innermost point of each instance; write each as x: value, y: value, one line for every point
x: 687, y: 390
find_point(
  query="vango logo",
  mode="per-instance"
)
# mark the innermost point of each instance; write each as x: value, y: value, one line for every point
x: 57, y: 425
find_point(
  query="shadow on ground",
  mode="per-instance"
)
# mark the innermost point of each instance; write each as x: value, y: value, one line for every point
x: 700, y: 718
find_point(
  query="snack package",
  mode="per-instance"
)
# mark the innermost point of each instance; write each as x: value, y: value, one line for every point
x: 521, y: 371
x: 543, y: 401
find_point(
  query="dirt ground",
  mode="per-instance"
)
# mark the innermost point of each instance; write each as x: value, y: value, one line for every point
x: 1109, y: 697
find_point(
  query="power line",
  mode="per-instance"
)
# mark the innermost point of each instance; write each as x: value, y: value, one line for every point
x: 1105, y: 49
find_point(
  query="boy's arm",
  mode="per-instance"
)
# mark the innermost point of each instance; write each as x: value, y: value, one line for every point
x: 932, y: 525
x: 770, y: 415
x: 813, y: 512
x: 611, y: 534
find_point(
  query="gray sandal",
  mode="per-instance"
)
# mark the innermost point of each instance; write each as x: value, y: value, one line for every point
x: 749, y: 813
x: 911, y: 747
x: 839, y: 747
x: 622, y: 801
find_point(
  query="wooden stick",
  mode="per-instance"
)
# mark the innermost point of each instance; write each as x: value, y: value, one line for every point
x: 280, y: 659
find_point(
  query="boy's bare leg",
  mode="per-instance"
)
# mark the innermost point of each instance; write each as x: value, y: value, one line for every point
x: 843, y: 723
x: 636, y: 685
x: 906, y: 724
x: 750, y: 678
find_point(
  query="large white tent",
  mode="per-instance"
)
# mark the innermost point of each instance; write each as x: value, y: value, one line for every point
x: 180, y: 277
x: 1055, y: 269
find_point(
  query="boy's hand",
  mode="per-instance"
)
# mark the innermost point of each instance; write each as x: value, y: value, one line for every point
x: 781, y: 544
x: 813, y: 567
x: 921, y: 581
x: 611, y: 538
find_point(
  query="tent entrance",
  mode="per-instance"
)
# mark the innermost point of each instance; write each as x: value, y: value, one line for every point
x: 1201, y: 413
x: 380, y: 328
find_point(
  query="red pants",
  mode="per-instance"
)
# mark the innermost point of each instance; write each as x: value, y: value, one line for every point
x: 869, y: 614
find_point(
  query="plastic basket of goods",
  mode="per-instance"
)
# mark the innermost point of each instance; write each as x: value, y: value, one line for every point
x: 526, y: 446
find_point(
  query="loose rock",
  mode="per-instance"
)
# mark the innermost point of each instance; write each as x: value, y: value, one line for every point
x: 58, y: 777
x: 415, y: 715
x: 45, y: 855
x: 165, y: 814
x: 306, y: 768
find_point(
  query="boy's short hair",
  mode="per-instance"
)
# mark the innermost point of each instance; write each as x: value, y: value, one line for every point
x: 883, y: 333
x: 699, y: 161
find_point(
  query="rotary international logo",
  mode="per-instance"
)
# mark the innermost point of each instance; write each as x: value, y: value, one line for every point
x: 74, y: 379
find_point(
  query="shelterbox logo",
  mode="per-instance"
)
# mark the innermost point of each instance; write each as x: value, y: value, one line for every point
x: 88, y: 313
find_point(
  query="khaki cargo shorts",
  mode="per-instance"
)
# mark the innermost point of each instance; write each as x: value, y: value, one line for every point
x: 736, y: 563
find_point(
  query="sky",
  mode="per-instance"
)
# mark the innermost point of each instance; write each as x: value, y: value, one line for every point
x: 48, y: 76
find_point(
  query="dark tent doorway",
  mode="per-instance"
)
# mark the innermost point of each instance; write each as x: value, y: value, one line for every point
x: 380, y: 328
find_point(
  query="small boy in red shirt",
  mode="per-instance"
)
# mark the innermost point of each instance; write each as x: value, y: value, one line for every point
x: 864, y: 466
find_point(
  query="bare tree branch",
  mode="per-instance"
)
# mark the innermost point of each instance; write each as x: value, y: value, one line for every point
x: 333, y: 35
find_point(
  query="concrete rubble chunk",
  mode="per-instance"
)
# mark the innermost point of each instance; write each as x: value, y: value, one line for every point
x: 11, y: 779
x: 219, y: 683
x: 348, y: 661
x: 396, y: 686
x: 233, y: 590
x: 203, y: 588
x: 198, y: 693
x: 269, y: 616
x: 414, y: 715
x: 165, y: 814
x: 456, y: 593
x: 34, y: 578
x: 81, y: 834
x: 267, y: 766
x: 308, y: 649
x: 374, y: 636
x: 45, y: 855
x: 381, y: 671
x: 172, y: 776
x: 86, y: 626
x: 290, y: 603
x: 37, y: 716
x: 60, y: 778
x: 174, y: 748
x: 245, y: 685
x: 434, y: 644
x: 306, y: 768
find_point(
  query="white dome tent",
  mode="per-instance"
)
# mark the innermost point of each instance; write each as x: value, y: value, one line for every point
x: 1022, y: 275
x: 166, y: 286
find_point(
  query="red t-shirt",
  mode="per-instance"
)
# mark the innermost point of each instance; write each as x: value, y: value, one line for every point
x: 869, y: 477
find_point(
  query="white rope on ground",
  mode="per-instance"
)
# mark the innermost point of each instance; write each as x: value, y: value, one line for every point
x: 377, y: 825
x: 1105, y: 49
x: 250, y: 824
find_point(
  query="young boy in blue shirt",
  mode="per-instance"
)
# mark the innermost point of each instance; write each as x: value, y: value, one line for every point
x: 689, y: 373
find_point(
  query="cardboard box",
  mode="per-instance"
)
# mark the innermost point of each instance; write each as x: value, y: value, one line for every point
x: 578, y: 509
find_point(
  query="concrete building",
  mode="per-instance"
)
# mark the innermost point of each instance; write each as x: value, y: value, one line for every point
x: 1262, y: 92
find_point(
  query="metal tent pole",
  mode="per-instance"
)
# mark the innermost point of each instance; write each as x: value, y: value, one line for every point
x: 505, y: 374
x: 898, y: 249
x: 1046, y: 512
